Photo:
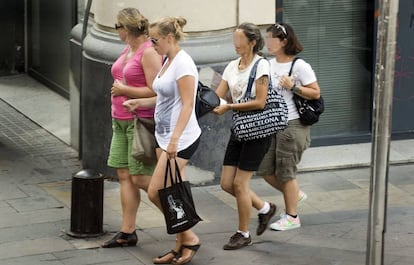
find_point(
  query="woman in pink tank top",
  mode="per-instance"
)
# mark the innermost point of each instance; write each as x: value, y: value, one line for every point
x: 133, y: 73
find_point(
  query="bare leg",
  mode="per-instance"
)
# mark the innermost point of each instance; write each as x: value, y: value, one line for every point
x: 290, y: 194
x: 157, y: 182
x: 274, y: 182
x: 130, y: 199
x: 243, y: 198
x: 290, y: 190
x: 227, y: 180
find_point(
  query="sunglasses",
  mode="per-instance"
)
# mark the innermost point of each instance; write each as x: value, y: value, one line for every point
x: 154, y: 41
x: 281, y: 28
x: 118, y: 26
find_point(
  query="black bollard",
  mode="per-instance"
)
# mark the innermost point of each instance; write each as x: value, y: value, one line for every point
x: 86, y: 218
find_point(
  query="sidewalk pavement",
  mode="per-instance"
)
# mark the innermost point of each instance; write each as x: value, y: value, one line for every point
x: 35, y: 181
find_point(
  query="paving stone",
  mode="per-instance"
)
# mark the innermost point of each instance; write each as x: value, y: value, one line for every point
x: 46, y: 259
x: 34, y: 203
x: 5, y: 208
x: 33, y: 231
x: 32, y: 247
x: 8, y: 192
x: 96, y: 256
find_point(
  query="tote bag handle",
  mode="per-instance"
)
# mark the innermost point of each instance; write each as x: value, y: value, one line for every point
x: 168, y: 173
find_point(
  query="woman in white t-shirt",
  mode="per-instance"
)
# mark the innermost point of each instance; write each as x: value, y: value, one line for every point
x: 242, y: 158
x: 279, y: 166
x: 176, y: 128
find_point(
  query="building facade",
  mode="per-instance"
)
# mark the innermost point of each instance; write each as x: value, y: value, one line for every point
x: 338, y: 37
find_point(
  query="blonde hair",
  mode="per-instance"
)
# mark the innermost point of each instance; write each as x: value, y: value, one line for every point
x: 131, y: 19
x: 169, y: 25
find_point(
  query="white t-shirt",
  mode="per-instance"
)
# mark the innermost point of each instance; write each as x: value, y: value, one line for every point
x: 237, y: 80
x: 169, y: 103
x: 303, y: 75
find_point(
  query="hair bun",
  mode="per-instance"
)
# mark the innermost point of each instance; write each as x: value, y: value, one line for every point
x: 181, y: 21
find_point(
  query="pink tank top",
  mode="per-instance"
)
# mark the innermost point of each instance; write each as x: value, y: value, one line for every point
x: 131, y: 73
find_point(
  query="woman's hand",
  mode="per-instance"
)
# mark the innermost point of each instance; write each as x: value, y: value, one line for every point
x: 287, y: 82
x: 219, y: 110
x: 131, y: 104
x: 116, y: 89
x: 172, y: 150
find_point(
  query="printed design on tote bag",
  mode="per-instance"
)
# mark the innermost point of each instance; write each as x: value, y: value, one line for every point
x: 177, y: 207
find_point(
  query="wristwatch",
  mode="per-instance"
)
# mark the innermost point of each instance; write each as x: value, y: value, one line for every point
x: 295, y: 89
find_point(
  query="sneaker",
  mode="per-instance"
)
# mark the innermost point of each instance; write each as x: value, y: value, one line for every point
x: 237, y: 241
x: 264, y: 219
x: 286, y: 222
x: 302, y: 197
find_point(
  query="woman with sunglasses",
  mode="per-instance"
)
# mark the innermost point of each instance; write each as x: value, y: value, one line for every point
x: 176, y: 128
x: 242, y: 158
x: 133, y: 73
x: 279, y: 166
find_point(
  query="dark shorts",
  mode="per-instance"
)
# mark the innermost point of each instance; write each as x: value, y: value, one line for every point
x: 246, y: 155
x: 188, y: 152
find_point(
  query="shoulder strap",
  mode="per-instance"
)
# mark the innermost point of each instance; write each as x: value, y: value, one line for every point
x: 293, y: 62
x: 164, y: 59
x: 251, y: 79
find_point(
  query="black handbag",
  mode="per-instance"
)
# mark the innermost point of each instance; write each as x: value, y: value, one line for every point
x: 206, y: 100
x: 177, y: 202
x: 256, y: 124
x: 309, y: 109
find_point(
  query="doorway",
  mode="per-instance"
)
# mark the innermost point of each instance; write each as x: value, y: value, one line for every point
x: 12, y: 42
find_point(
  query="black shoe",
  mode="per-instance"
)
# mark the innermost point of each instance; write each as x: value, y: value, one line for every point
x: 237, y: 241
x: 121, y: 239
x: 264, y: 219
x: 184, y: 260
x: 163, y: 258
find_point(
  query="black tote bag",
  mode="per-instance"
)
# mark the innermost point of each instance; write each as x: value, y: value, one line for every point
x: 177, y: 202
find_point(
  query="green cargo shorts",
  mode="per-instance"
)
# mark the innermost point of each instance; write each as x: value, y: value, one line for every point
x: 120, y: 150
x: 285, y: 152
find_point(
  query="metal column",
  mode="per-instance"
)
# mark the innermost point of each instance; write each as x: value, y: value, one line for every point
x: 381, y: 134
